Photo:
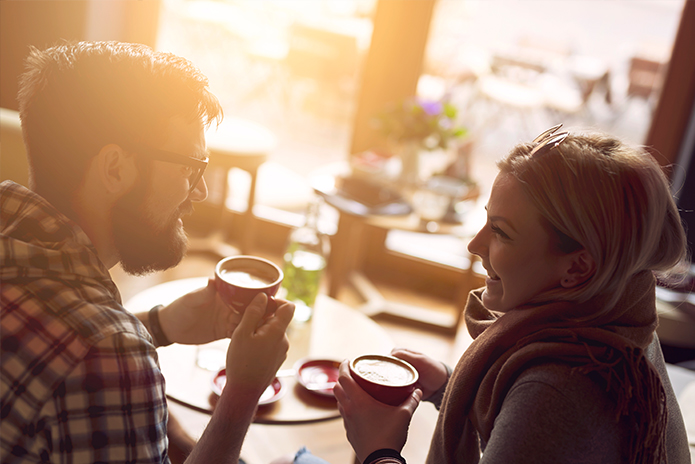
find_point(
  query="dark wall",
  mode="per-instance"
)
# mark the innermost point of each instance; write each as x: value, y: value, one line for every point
x: 686, y: 203
x: 43, y: 23
x: 673, y: 111
x: 40, y: 23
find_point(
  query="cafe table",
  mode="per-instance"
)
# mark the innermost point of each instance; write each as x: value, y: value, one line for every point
x: 335, y: 332
x: 385, y: 205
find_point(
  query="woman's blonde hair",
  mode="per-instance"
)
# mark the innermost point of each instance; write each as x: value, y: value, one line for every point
x: 611, y: 199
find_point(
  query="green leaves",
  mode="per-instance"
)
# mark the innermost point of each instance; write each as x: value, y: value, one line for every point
x: 431, y: 124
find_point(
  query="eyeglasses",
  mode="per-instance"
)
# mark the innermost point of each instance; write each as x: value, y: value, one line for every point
x: 197, y: 165
x: 548, y: 140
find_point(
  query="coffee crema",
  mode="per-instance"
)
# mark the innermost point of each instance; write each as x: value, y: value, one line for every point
x: 384, y: 372
x: 244, y: 279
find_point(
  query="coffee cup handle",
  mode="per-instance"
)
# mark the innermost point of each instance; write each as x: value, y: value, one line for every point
x: 271, y: 306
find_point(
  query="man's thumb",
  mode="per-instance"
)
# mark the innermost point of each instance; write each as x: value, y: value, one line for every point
x: 253, y: 313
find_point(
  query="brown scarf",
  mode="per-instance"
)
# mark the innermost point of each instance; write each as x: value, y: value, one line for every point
x: 609, y: 346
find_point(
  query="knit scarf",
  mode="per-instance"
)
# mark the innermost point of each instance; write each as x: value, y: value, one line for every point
x: 609, y: 346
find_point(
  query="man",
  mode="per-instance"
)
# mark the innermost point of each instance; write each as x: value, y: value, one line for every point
x: 115, y: 139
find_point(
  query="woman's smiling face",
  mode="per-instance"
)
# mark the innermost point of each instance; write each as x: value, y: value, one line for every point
x: 517, y: 251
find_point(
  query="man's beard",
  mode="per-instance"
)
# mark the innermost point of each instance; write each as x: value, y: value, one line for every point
x: 143, y: 245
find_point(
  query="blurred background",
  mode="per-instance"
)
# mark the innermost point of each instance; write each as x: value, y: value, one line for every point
x: 295, y: 66
x: 302, y: 81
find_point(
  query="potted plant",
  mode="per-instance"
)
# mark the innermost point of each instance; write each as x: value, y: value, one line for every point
x: 414, y: 125
x: 426, y: 123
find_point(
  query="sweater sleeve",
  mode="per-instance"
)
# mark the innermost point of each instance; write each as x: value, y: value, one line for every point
x: 438, y: 396
x: 677, y: 449
x: 552, y: 415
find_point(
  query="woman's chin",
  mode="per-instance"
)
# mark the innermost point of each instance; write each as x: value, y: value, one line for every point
x: 492, y: 301
x: 488, y: 300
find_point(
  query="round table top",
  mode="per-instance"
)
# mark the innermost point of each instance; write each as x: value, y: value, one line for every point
x: 335, y: 332
x: 403, y: 214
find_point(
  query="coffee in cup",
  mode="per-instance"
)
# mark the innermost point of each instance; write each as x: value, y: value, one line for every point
x: 239, y: 279
x: 387, y: 378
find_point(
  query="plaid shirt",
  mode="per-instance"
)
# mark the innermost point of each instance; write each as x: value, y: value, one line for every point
x: 79, y: 376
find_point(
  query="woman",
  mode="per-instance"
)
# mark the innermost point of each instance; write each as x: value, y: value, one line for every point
x: 577, y: 225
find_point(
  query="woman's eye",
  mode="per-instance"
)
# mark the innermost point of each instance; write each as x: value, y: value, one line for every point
x: 187, y: 171
x: 497, y: 231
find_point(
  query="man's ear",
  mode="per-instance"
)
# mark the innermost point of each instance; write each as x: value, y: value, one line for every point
x: 115, y: 169
x: 580, y: 267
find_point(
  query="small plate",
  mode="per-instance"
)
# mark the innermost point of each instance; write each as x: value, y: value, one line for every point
x: 274, y: 392
x: 318, y: 375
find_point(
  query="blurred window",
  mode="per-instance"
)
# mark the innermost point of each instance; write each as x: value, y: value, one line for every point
x: 292, y: 66
x: 512, y: 68
x: 515, y: 68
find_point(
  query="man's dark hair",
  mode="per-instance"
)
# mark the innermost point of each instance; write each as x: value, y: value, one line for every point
x: 75, y: 98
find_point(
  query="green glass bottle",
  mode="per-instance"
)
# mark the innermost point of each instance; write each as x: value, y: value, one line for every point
x: 303, y: 264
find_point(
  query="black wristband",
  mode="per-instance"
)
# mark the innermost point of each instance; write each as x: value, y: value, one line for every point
x: 156, y: 329
x: 384, y: 453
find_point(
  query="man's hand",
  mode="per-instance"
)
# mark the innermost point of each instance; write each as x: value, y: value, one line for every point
x: 369, y: 424
x: 198, y: 317
x: 258, y: 348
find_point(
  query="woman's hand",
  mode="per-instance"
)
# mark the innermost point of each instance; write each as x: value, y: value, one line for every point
x: 198, y: 317
x: 369, y: 424
x: 258, y: 347
x: 432, y: 373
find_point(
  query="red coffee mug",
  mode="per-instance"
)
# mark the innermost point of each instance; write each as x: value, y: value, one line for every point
x: 239, y: 279
x: 387, y: 378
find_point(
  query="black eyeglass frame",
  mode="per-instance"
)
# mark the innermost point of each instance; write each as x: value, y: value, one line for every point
x: 548, y: 140
x: 198, y: 164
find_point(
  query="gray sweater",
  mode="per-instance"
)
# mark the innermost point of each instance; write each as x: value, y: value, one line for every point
x: 553, y: 416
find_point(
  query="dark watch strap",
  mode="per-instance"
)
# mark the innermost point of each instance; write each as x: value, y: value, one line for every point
x: 156, y: 329
x: 383, y: 453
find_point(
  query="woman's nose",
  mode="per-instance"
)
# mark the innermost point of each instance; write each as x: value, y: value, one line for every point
x: 478, y: 246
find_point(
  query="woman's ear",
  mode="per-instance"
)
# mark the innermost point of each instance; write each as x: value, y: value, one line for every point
x: 115, y: 169
x: 580, y: 268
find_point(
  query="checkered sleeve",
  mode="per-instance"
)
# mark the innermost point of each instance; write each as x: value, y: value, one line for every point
x: 112, y: 408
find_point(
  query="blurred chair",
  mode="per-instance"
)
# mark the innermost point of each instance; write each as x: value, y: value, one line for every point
x: 319, y: 53
x: 511, y: 89
x: 367, y: 212
x: 568, y: 92
x: 509, y: 98
x: 645, y: 78
x: 265, y: 72
x: 322, y: 65
x: 592, y: 74
x: 235, y: 144
x: 13, y: 160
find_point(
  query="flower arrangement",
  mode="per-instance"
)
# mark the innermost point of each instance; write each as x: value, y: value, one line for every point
x: 429, y: 124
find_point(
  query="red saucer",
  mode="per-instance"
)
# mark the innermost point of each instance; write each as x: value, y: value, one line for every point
x: 317, y: 375
x: 274, y: 392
